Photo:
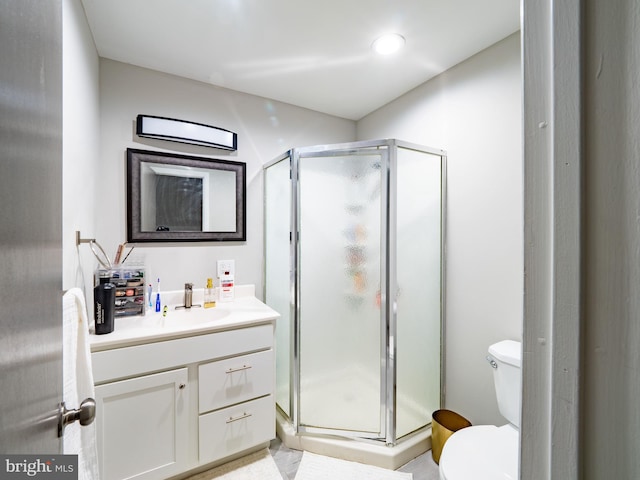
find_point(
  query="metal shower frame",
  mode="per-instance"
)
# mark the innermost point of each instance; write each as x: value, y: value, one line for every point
x: 387, y: 148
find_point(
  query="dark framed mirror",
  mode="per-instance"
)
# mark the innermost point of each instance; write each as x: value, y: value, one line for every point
x: 180, y: 198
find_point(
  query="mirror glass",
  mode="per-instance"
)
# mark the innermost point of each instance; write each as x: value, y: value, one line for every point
x: 182, y: 198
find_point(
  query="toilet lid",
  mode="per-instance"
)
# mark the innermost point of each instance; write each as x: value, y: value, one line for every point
x: 483, y: 452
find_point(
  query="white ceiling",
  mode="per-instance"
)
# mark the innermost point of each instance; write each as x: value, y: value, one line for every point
x: 311, y: 53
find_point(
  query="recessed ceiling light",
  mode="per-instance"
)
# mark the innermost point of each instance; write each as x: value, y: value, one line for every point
x: 388, y: 44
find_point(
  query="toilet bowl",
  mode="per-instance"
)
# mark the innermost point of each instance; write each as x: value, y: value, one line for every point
x: 488, y: 452
x: 483, y: 452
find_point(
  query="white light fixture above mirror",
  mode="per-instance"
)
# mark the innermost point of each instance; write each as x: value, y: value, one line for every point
x: 388, y: 44
x: 182, y: 131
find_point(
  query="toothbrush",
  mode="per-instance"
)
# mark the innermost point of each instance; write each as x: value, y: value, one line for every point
x: 150, y: 296
x: 158, y: 297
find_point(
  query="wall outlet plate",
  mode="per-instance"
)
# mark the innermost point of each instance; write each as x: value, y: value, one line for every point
x: 224, y: 266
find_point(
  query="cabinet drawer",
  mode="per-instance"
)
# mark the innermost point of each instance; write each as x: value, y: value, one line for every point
x: 235, y: 380
x: 233, y: 429
x: 139, y: 359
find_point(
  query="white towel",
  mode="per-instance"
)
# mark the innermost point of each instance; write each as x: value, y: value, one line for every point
x: 78, y: 382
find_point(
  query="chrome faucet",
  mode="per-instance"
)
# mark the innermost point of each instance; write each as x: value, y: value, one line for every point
x: 188, y: 297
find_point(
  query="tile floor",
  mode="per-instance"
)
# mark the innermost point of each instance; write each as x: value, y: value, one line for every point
x: 287, y: 460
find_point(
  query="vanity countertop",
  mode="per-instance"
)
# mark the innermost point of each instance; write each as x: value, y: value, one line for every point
x: 244, y: 310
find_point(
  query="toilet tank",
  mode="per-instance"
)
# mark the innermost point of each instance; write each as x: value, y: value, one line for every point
x: 506, y: 359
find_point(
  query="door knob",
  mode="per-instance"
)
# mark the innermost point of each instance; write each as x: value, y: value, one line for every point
x: 86, y: 414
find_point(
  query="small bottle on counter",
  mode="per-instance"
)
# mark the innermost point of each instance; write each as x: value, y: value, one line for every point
x: 226, y: 288
x: 104, y: 298
x: 209, y: 294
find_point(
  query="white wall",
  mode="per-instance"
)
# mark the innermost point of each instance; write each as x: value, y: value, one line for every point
x: 473, y: 111
x: 80, y: 142
x: 265, y: 129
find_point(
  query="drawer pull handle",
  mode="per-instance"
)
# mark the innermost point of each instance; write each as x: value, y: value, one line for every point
x: 244, y: 367
x: 182, y: 386
x: 244, y: 415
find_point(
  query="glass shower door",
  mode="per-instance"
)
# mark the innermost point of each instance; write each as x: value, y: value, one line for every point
x: 340, y: 318
x: 419, y: 287
x: 278, y: 270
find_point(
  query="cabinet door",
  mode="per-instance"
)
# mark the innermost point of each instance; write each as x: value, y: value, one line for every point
x: 142, y: 426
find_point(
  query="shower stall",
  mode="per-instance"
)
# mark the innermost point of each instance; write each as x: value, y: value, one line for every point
x: 354, y: 242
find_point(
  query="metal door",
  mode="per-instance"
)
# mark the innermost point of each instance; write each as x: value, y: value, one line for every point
x: 30, y: 225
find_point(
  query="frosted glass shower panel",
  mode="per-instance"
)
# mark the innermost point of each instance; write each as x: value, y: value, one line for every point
x: 278, y: 271
x: 339, y: 259
x: 419, y: 289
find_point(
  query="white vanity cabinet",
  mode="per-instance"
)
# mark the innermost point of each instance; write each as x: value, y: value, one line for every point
x: 170, y: 406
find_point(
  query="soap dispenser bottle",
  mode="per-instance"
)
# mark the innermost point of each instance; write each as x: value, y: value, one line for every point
x: 209, y: 294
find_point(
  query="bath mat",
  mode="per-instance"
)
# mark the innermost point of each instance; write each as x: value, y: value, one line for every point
x: 256, y: 466
x: 318, y: 467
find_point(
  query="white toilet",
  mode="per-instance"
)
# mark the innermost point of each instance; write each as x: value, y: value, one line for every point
x: 487, y: 452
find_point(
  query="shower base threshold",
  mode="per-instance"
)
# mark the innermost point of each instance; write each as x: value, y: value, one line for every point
x: 354, y: 450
